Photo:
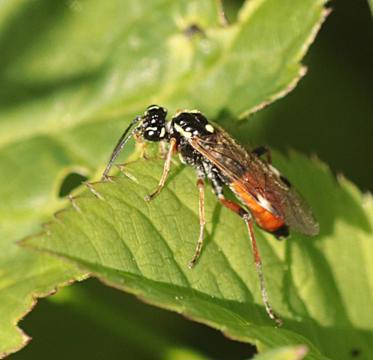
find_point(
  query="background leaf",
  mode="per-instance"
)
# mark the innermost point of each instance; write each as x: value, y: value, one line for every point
x: 68, y: 82
x: 286, y: 353
x: 321, y: 287
x: 371, y: 4
x: 331, y: 106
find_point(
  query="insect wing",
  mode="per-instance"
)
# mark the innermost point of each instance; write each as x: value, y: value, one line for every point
x: 258, y: 178
x: 292, y: 207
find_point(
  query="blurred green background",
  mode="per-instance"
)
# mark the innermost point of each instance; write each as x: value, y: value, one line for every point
x: 328, y: 114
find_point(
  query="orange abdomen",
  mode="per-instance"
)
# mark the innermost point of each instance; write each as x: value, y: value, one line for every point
x: 265, y: 219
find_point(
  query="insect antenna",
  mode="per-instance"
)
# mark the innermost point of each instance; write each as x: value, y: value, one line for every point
x: 118, y: 148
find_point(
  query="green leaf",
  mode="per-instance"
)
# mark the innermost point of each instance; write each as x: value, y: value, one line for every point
x: 320, y: 286
x: 23, y: 279
x: 285, y: 353
x: 74, y: 73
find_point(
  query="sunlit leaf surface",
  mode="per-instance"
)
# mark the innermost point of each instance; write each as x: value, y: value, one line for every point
x: 320, y: 287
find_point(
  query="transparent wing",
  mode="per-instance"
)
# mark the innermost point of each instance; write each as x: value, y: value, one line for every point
x: 258, y: 178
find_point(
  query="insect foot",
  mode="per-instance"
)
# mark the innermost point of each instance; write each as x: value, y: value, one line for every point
x: 147, y: 198
x: 191, y: 263
x: 94, y: 191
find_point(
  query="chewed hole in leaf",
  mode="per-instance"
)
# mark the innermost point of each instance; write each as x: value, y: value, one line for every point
x: 71, y: 181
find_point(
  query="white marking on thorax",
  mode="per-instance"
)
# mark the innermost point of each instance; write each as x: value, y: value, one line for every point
x: 181, y: 131
x: 209, y: 128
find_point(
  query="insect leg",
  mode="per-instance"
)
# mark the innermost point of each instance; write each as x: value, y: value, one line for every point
x: 246, y: 216
x: 259, y: 270
x: 201, y: 189
x: 261, y: 150
x: 162, y: 149
x: 166, y: 170
x: 142, y: 145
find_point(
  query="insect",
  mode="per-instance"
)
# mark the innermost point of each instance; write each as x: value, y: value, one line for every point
x: 265, y: 196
